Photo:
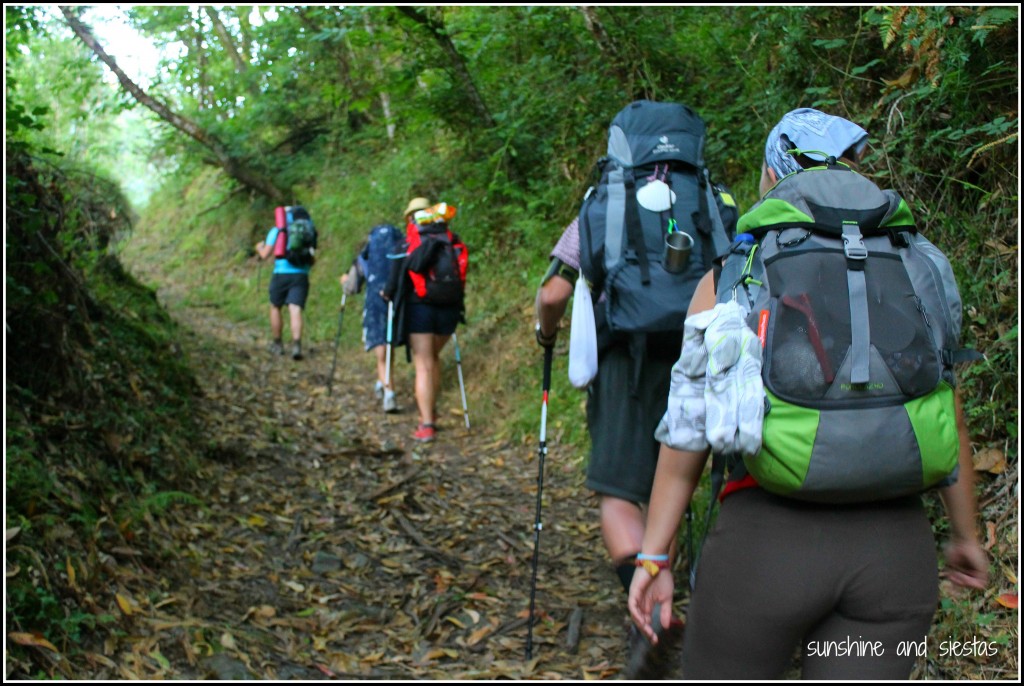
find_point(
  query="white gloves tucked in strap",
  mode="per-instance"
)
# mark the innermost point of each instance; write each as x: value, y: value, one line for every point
x: 716, y: 396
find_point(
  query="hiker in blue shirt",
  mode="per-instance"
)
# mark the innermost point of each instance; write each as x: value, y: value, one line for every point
x: 289, y: 284
x: 849, y: 583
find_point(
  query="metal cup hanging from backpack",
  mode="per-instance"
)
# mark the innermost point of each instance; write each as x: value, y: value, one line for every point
x: 657, y: 196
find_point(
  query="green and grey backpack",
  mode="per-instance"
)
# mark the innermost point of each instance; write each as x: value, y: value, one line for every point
x: 859, y: 320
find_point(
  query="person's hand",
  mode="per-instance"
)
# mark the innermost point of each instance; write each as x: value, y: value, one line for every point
x: 545, y: 341
x: 966, y: 564
x: 385, y: 297
x: 645, y: 594
x: 344, y: 278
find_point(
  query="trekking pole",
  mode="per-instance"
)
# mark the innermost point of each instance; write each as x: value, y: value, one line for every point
x: 691, y: 567
x: 462, y: 386
x: 387, y: 364
x: 542, y: 451
x: 337, y: 338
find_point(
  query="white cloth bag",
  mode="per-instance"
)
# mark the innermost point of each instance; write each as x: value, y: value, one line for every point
x: 582, y: 337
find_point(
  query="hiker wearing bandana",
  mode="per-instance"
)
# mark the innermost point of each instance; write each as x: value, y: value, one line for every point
x: 848, y: 577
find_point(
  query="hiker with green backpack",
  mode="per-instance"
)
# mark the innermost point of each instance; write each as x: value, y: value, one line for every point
x: 292, y: 242
x: 817, y: 369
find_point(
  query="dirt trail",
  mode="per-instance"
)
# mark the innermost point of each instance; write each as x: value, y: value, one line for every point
x: 332, y: 545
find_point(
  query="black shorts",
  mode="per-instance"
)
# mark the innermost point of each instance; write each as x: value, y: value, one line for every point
x: 435, y: 319
x: 624, y: 452
x: 292, y: 289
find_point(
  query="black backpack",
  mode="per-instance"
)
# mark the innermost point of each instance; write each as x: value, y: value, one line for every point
x: 653, y: 183
x: 434, y: 263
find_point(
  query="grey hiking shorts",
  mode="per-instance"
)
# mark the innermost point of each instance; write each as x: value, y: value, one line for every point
x: 624, y: 453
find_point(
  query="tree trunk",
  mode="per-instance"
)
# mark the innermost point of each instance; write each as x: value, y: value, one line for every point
x: 233, y: 166
x: 241, y: 64
x: 385, y: 97
x: 246, y: 30
x: 437, y: 30
x: 203, y: 87
x: 607, y: 46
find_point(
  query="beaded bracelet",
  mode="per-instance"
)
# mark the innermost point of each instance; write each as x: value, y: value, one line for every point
x: 652, y: 567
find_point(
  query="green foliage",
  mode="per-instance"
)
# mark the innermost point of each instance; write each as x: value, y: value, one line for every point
x: 99, y: 415
x: 927, y: 82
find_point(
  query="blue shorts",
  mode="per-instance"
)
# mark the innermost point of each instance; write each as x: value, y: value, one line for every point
x: 292, y: 289
x: 435, y: 319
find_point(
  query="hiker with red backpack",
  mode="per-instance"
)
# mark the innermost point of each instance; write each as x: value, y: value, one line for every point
x: 292, y: 241
x: 817, y: 369
x: 427, y: 288
x: 654, y: 189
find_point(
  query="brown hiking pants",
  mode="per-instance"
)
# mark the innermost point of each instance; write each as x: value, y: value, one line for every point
x: 849, y: 591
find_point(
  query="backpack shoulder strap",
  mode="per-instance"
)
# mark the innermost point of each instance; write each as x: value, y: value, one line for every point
x: 719, y: 233
x: 634, y: 230
x: 741, y: 273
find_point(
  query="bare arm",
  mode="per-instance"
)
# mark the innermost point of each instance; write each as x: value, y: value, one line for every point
x: 264, y: 250
x: 967, y: 564
x: 675, y: 479
x: 552, y: 300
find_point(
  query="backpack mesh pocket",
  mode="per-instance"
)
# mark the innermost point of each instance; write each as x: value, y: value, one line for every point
x: 810, y: 335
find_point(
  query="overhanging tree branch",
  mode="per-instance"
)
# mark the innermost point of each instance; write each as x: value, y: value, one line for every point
x: 225, y: 38
x: 232, y: 165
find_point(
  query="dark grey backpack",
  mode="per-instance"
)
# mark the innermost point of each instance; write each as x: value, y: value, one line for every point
x: 653, y: 188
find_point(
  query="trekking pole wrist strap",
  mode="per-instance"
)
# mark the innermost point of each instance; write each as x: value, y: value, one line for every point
x: 545, y: 341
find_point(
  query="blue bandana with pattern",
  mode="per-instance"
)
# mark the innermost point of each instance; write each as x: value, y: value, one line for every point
x: 815, y: 134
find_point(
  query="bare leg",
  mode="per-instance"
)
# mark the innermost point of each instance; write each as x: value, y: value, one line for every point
x: 622, y: 526
x: 276, y: 324
x: 423, y: 360
x: 382, y: 365
x: 426, y: 349
x: 439, y: 343
x: 295, y: 314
